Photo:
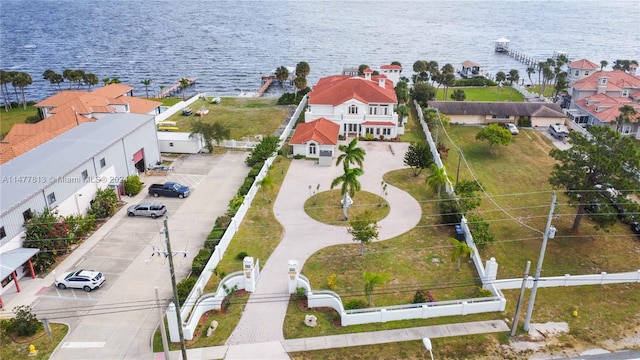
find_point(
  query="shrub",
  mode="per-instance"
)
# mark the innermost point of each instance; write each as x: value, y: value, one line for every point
x: 246, y: 186
x: 223, y: 221
x: 483, y: 293
x: 423, y: 296
x: 25, y: 322
x: 33, y: 119
x: 253, y: 173
x: 331, y: 281
x: 132, y: 185
x: 234, y: 204
x: 216, y: 233
x: 49, y: 233
x: 524, y: 121
x: 450, y: 212
x: 105, y: 203
x: 184, y: 288
x: 80, y: 226
x: 200, y: 260
x: 298, y: 156
x: 241, y: 255
x: 369, y: 137
x: 258, y: 165
x: 301, y: 293
x: 355, y: 304
x: 264, y: 150
x: 211, y: 244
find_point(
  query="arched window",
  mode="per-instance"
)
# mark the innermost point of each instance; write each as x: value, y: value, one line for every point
x: 353, y: 109
x: 312, y: 149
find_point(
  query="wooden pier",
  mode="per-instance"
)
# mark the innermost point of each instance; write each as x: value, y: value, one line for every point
x: 523, y: 58
x: 170, y: 90
x: 267, y: 81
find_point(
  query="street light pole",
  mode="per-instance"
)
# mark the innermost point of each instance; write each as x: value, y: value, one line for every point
x: 549, y: 232
x: 428, y: 346
x: 175, y: 289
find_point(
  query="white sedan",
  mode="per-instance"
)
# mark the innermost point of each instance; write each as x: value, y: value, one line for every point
x: 82, y: 279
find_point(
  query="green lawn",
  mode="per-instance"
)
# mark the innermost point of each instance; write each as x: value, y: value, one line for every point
x: 479, y: 93
x: 14, y: 116
x: 515, y: 178
x: 14, y: 348
x: 244, y: 117
x: 326, y: 207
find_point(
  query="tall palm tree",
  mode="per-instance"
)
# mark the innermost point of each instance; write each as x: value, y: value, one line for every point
x: 603, y: 64
x: 448, y: 81
x: 350, y: 184
x: 4, y: 80
x: 184, y: 82
x: 530, y: 70
x: 437, y: 179
x: 460, y: 250
x: 146, y: 83
x: 90, y: 80
x: 300, y: 83
x: 351, y: 154
x: 21, y: 81
x: 106, y: 81
x: 282, y: 74
x: 513, y: 76
x: 302, y: 69
x: 500, y: 77
x: 115, y: 80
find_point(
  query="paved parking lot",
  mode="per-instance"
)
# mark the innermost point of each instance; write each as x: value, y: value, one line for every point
x: 118, y: 320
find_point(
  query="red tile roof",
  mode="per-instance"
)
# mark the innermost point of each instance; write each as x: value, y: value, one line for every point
x: 379, y: 123
x: 322, y: 131
x: 618, y: 80
x: 367, y: 70
x: 337, y: 89
x: 113, y: 90
x: 391, y: 67
x: 583, y: 64
x: 605, y: 107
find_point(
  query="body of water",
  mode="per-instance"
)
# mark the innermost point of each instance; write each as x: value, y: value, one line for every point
x: 228, y: 45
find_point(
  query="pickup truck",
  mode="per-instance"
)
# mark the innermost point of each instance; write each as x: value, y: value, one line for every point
x: 171, y: 189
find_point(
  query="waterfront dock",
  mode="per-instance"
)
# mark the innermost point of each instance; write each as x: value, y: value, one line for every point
x: 266, y: 82
x: 174, y: 88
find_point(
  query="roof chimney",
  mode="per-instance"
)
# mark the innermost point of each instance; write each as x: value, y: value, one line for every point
x: 367, y: 73
x: 381, y: 81
x: 632, y: 69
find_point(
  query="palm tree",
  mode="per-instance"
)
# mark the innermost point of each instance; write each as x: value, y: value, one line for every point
x: 460, y: 250
x: 21, y: 81
x: 603, y: 64
x: 437, y: 179
x: 106, y: 81
x: 115, y: 80
x: 448, y: 69
x: 146, y: 83
x: 302, y: 69
x: 627, y: 115
x: 184, y: 82
x: 350, y: 184
x: 372, y: 280
x: 282, y: 74
x: 351, y: 154
x: 530, y: 70
x: 513, y: 76
x: 162, y: 88
x: 90, y: 80
x: 448, y: 80
x: 266, y: 183
x: 500, y: 77
x: 4, y: 80
x: 300, y: 83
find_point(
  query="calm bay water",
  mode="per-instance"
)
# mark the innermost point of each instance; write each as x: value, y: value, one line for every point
x: 228, y: 45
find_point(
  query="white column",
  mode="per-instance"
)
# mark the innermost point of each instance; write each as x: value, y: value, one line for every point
x: 249, y: 279
x: 293, y: 275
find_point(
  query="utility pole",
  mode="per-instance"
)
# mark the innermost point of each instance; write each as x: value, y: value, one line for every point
x: 514, y: 326
x: 175, y: 289
x: 165, y: 344
x: 549, y: 232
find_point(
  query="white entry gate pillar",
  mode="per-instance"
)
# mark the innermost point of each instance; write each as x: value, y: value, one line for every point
x: 249, y: 275
x: 292, y: 267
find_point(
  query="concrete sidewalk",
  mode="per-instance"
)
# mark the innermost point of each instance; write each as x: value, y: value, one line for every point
x: 277, y: 350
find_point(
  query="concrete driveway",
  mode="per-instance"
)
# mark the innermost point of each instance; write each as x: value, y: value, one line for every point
x: 118, y: 320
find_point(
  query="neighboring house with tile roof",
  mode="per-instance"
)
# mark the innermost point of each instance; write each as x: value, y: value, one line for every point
x: 392, y: 72
x: 597, y: 98
x: 316, y: 139
x: 68, y: 109
x: 579, y: 69
x: 479, y: 113
x: 359, y: 105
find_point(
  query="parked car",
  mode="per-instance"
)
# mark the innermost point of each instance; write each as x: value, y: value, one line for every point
x: 513, y: 129
x: 86, y: 280
x: 558, y: 131
x: 153, y: 210
x: 171, y: 189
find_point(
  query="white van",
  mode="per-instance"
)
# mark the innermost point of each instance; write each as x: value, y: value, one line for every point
x: 559, y: 131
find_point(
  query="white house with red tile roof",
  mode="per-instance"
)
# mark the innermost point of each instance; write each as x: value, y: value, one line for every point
x: 316, y: 139
x: 597, y: 98
x: 579, y: 69
x: 392, y: 72
x: 359, y: 105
